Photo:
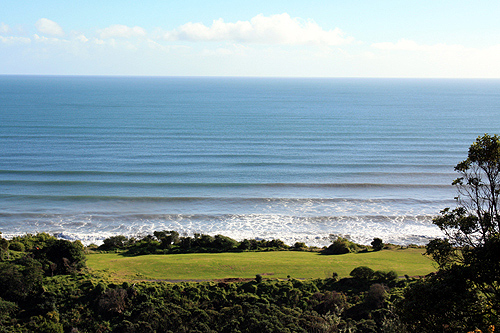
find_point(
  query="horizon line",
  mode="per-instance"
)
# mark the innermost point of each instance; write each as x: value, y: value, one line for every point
x: 250, y: 76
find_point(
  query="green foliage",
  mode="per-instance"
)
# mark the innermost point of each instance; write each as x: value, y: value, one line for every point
x: 7, y: 312
x: 299, y: 246
x: 362, y: 273
x: 167, y: 238
x: 169, y: 242
x: 17, y: 246
x: 443, y: 302
x: 442, y: 252
x: 376, y: 295
x: 60, y: 256
x: 224, y: 243
x: 385, y: 277
x: 114, y: 243
x: 83, y: 303
x: 477, y: 216
x: 20, y: 279
x: 32, y: 242
x: 4, y: 248
x: 341, y: 246
x: 465, y: 294
x: 377, y: 244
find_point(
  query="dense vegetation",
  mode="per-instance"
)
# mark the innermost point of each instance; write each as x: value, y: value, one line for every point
x: 466, y: 290
x: 170, y: 242
x: 47, y: 289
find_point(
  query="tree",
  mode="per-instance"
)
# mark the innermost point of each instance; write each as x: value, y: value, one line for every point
x: 4, y: 248
x: 377, y: 244
x: 443, y: 302
x: 61, y: 256
x: 477, y: 218
x: 224, y: 243
x: 167, y: 238
x: 113, y: 242
x: 473, y: 228
x: 471, y: 249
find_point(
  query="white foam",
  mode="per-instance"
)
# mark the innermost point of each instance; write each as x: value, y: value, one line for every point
x: 317, y: 231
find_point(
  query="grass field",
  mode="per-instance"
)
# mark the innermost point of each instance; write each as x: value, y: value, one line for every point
x: 279, y: 264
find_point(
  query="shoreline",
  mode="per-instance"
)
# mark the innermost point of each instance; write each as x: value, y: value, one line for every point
x: 310, y: 240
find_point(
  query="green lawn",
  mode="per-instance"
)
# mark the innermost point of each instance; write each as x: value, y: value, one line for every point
x: 280, y: 264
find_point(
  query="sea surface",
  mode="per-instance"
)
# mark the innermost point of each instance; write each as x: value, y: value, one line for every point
x: 294, y: 159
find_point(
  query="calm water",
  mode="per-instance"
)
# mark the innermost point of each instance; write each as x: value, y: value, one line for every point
x: 295, y: 159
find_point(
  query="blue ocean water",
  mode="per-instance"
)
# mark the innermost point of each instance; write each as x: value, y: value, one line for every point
x: 295, y: 159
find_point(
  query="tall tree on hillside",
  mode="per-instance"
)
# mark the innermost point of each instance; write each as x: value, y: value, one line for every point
x: 473, y: 228
x: 471, y: 250
x: 477, y: 217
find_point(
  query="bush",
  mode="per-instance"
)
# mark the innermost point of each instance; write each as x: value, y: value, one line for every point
x: 385, y: 276
x: 113, y: 243
x: 61, y: 256
x: 224, y: 243
x: 17, y: 246
x: 4, y: 248
x: 299, y: 246
x: 341, y: 246
x: 362, y: 273
x: 376, y: 295
x: 377, y: 244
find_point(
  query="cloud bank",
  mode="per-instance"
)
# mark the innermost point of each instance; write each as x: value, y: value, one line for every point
x: 275, y: 29
x: 121, y: 31
x: 276, y: 45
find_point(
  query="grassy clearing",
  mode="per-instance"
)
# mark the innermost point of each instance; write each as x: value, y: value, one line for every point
x: 280, y: 264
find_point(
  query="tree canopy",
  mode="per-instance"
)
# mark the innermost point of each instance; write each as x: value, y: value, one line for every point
x: 471, y: 250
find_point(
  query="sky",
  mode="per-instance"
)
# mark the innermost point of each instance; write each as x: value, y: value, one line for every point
x: 328, y: 38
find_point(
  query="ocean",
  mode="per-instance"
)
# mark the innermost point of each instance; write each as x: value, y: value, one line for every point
x: 302, y: 160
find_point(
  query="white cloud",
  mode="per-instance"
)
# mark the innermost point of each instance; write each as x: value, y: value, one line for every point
x: 82, y: 38
x: 43, y: 39
x: 4, y: 28
x: 275, y: 29
x: 121, y: 31
x: 48, y: 27
x: 15, y: 40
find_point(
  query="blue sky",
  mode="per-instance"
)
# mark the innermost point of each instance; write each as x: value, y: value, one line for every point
x: 252, y: 38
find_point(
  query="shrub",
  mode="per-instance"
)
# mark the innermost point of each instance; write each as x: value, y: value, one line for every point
x: 224, y: 243
x: 341, y: 246
x: 62, y: 256
x: 376, y: 295
x: 362, y: 273
x: 113, y: 243
x: 299, y: 246
x: 385, y: 276
x: 377, y: 244
x: 17, y: 246
x: 113, y: 301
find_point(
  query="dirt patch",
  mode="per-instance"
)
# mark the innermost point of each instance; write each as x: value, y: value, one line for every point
x: 228, y: 280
